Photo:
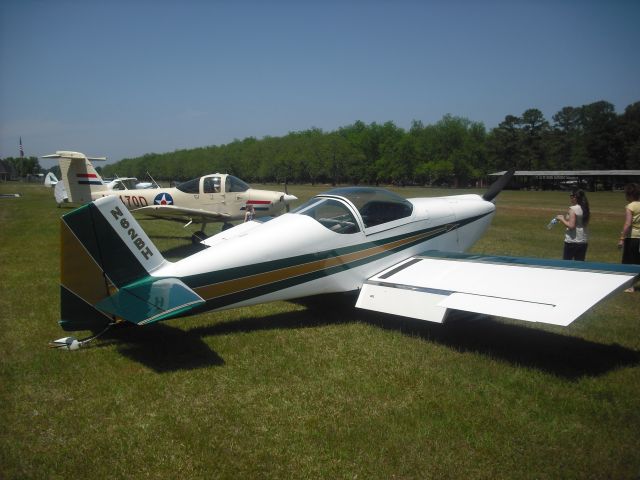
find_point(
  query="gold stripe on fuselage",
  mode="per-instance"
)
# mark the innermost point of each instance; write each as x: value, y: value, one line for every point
x: 228, y: 287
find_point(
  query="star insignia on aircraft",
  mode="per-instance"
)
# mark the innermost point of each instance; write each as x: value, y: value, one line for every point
x: 163, y: 199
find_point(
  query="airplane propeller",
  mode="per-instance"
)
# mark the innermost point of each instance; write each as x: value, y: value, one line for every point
x: 288, y: 198
x: 496, y: 187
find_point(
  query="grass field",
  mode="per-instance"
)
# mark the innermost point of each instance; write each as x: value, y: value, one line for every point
x: 285, y: 391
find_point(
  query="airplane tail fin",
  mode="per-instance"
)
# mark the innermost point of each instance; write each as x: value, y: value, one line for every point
x: 50, y: 180
x: 79, y: 175
x: 106, y: 266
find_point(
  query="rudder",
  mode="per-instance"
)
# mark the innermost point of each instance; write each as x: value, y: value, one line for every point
x: 103, y: 248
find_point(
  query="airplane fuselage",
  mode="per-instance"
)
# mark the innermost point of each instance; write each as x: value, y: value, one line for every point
x: 209, y: 198
x: 295, y: 255
x: 231, y: 204
x: 404, y: 256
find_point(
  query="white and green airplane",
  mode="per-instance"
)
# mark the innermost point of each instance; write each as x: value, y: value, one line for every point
x: 403, y: 256
x: 211, y: 198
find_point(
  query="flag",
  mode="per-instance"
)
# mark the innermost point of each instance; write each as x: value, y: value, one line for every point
x: 21, y: 149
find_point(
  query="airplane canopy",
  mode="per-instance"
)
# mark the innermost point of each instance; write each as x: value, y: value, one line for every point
x: 215, y: 183
x: 375, y: 205
x: 128, y: 183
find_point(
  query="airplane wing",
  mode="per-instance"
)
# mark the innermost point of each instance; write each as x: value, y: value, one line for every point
x: 535, y: 290
x: 171, y: 212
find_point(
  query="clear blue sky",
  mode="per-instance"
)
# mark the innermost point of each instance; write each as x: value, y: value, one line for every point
x: 122, y: 78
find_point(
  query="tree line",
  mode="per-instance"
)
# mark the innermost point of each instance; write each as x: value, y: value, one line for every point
x: 454, y: 151
x: 23, y: 166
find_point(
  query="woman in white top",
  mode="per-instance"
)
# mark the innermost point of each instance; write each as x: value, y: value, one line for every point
x: 576, y: 221
x: 630, y: 235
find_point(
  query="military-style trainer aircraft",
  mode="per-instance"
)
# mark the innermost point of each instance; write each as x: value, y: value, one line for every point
x: 210, y: 198
x: 405, y: 257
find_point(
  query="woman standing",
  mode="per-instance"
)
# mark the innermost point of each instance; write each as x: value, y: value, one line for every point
x: 630, y: 234
x: 576, y: 221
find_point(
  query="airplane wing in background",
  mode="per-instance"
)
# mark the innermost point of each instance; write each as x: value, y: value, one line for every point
x: 534, y: 290
x: 171, y: 212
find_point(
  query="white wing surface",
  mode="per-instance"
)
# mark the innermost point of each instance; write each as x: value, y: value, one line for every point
x: 172, y: 212
x: 534, y: 290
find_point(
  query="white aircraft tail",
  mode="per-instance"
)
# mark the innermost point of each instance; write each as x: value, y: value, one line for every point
x: 79, y: 175
x: 106, y: 272
x: 50, y: 180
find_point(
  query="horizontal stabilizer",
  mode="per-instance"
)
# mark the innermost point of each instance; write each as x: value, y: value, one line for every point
x: 72, y: 155
x: 151, y: 300
x: 534, y: 290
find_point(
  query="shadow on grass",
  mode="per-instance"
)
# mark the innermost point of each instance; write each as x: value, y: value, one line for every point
x: 289, y: 320
x: 522, y: 345
x: 560, y: 355
x: 164, y: 348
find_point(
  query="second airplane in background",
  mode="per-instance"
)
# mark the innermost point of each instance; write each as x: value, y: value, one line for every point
x: 217, y: 197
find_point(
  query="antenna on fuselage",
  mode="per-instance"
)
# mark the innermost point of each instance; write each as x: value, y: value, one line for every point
x: 153, y: 179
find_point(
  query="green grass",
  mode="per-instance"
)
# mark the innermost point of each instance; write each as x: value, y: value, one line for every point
x: 284, y: 391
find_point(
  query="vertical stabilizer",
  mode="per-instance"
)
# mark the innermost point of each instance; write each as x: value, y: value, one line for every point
x: 79, y: 175
x: 103, y: 248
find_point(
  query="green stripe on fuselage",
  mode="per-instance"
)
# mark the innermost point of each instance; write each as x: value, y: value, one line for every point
x: 209, y: 280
